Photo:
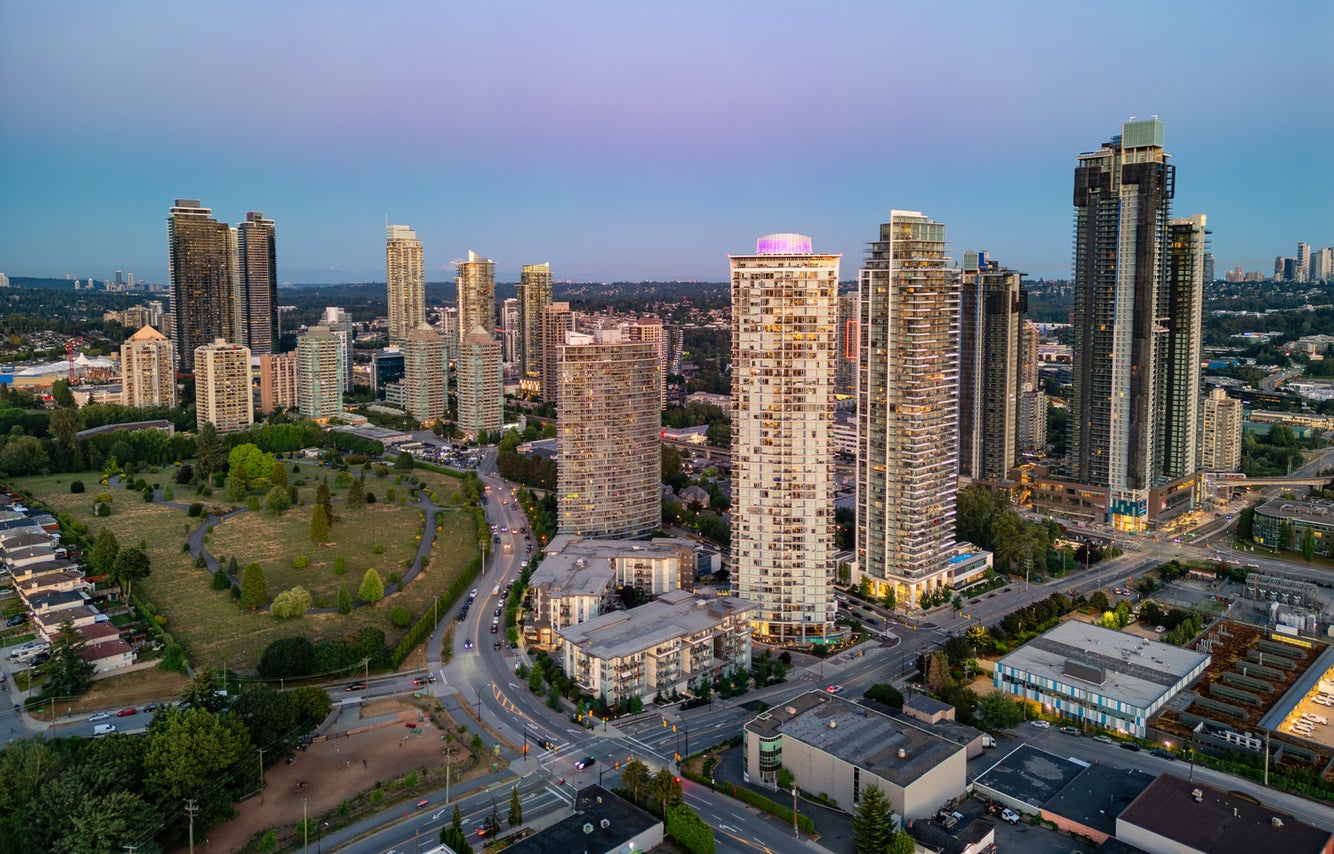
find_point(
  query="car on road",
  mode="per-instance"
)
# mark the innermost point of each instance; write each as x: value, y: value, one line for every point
x: 1103, y: 739
x: 494, y: 628
x: 833, y: 689
x: 463, y: 615
x: 99, y: 716
x: 127, y: 711
x: 356, y: 686
x: 1070, y: 730
x: 428, y: 679
x: 496, y: 646
x: 1040, y: 724
x: 467, y: 644
x: 1162, y: 754
x: 423, y: 802
x: 152, y: 707
x: 473, y: 594
x: 1009, y: 816
x: 585, y: 762
x: 1131, y: 746
x: 104, y: 729
x: 547, y: 744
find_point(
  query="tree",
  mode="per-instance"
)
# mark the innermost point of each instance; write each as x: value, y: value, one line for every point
x: 356, y: 492
x: 319, y: 525
x: 278, y: 475
x: 63, y: 425
x: 102, y: 556
x: 664, y: 789
x: 515, y: 817
x: 131, y: 565
x: 403, y: 462
x: 1246, y: 523
x: 885, y: 693
x: 68, y: 674
x: 61, y: 394
x: 312, y: 704
x: 873, y: 825
x: 323, y: 499
x: 292, y: 602
x: 1099, y: 601
x: 237, y: 484
x: 344, y: 599
x: 202, y: 692
x: 1285, y: 534
x: 635, y: 777
x: 1000, y: 711
x: 277, y: 501
x: 938, y: 676
x: 287, y: 657
x: 455, y: 838
x: 271, y: 716
x: 208, y: 451
x: 187, y: 752
x: 1308, y: 545
x: 901, y: 842
x: 23, y: 455
x: 372, y: 586
x: 456, y: 821
x: 251, y: 462
x: 254, y: 589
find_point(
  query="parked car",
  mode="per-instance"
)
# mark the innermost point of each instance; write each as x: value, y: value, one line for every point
x: 1131, y: 746
x: 17, y: 619
x: 1069, y: 730
x: 1040, y: 724
x: 99, y: 716
x: 1104, y: 739
x: 127, y: 711
x: 1162, y: 754
x: 1009, y: 816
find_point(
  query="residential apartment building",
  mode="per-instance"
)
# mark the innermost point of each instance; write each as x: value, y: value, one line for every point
x: 222, y: 386
x: 609, y: 456
x: 256, y: 284
x: 784, y: 313
x: 277, y: 382
x: 534, y: 294
x: 1220, y: 432
x: 148, y: 369
x: 479, y: 382
x: 845, y: 366
x: 992, y: 306
x: 1180, y: 311
x: 650, y: 331
x: 477, y: 294
x: 319, y: 371
x: 509, y: 331
x: 341, y: 327
x: 202, y: 291
x: 907, y: 410
x: 405, y: 269
x: 557, y: 320
x: 662, y: 649
x: 425, y: 374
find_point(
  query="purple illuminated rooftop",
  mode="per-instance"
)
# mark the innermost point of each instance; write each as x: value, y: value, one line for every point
x: 783, y: 244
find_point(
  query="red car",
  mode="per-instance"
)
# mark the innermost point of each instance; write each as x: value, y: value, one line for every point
x: 125, y: 713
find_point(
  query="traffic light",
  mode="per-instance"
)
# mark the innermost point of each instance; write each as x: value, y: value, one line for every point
x: 618, y: 766
x: 664, y: 723
x: 673, y: 727
x: 525, y: 750
x: 676, y: 756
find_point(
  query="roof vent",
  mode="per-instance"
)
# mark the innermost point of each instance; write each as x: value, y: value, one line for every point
x: 1276, y: 822
x: 588, y: 827
x: 791, y: 710
x: 604, y: 824
x: 903, y: 754
x: 833, y: 724
x: 1197, y: 794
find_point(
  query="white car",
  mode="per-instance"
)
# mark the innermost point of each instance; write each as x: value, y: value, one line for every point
x: 99, y: 716
x: 1040, y: 724
x: 1010, y: 816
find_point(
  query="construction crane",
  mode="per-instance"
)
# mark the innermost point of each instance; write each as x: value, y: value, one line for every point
x: 69, y: 356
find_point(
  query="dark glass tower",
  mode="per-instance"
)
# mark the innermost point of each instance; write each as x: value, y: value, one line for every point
x: 199, y: 257
x: 257, y: 284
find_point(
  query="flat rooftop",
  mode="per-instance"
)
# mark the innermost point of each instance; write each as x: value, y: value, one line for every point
x: 857, y: 735
x: 1220, y: 823
x: 572, y: 575
x: 1131, y: 669
x: 671, y: 615
x: 594, y: 805
x: 1310, y: 512
x: 587, y: 547
x: 1030, y: 775
x: 1097, y: 795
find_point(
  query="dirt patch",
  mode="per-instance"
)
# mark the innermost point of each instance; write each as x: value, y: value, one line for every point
x: 385, y: 707
x: 133, y: 689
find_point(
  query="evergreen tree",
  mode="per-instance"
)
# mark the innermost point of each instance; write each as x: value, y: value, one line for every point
x: 277, y: 501
x: 1308, y: 545
x: 356, y: 492
x: 344, y: 599
x: 208, y: 451
x: 873, y: 825
x: 102, y: 556
x: 455, y: 838
x: 254, y: 589
x: 456, y: 821
x: 319, y: 525
x: 68, y: 674
x: 372, y: 586
x: 279, y: 475
x: 131, y: 565
x: 220, y: 580
x: 516, y: 809
x: 322, y: 497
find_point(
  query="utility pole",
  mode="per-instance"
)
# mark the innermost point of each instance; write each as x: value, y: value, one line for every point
x: 190, y: 809
x: 305, y: 828
x: 795, y: 834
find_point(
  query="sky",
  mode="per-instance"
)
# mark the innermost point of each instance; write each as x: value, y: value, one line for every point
x: 638, y: 141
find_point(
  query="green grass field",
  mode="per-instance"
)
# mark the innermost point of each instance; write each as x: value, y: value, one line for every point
x: 213, y: 629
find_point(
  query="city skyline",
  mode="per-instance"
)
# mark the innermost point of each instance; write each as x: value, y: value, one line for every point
x: 646, y: 163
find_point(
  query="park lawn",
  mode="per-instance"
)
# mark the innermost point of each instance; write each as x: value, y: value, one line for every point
x: 274, y: 542
x: 214, y: 631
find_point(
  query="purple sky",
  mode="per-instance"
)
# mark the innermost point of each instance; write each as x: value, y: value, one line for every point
x: 643, y: 141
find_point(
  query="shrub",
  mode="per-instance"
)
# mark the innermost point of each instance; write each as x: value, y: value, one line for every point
x: 196, y: 509
x: 101, y: 508
x: 400, y: 616
x: 372, y: 588
x: 168, y: 494
x: 377, y: 549
x: 76, y: 486
x: 148, y: 496
x: 103, y: 498
x: 220, y: 581
x: 292, y: 602
x: 300, y: 562
x: 252, y: 503
x: 394, y: 578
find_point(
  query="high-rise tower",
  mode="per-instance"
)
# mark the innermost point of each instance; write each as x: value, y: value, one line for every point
x: 907, y: 409
x: 425, y: 374
x: 148, y: 369
x: 1180, y: 311
x: 479, y: 382
x: 649, y: 330
x: 783, y: 339
x: 257, y: 284
x: 534, y: 297
x: 222, y: 386
x: 319, y: 373
x: 341, y: 326
x: 201, y: 279
x: 992, y: 304
x: 509, y: 330
x: 1220, y: 432
x: 406, y: 272
x: 1122, y: 198
x: 609, y: 454
x: 557, y: 319
x: 477, y: 294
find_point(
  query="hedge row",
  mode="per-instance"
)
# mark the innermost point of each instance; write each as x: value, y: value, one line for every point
x: 427, y: 622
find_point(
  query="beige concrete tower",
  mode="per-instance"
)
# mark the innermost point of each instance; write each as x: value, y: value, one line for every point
x: 148, y: 369
x: 222, y: 386
x: 557, y: 319
x: 907, y: 409
x: 784, y: 310
x: 479, y: 382
x: 649, y: 330
x: 277, y: 382
x: 609, y: 454
x: 534, y: 297
x: 319, y: 373
x: 1220, y: 433
x: 405, y: 268
x: 425, y: 374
